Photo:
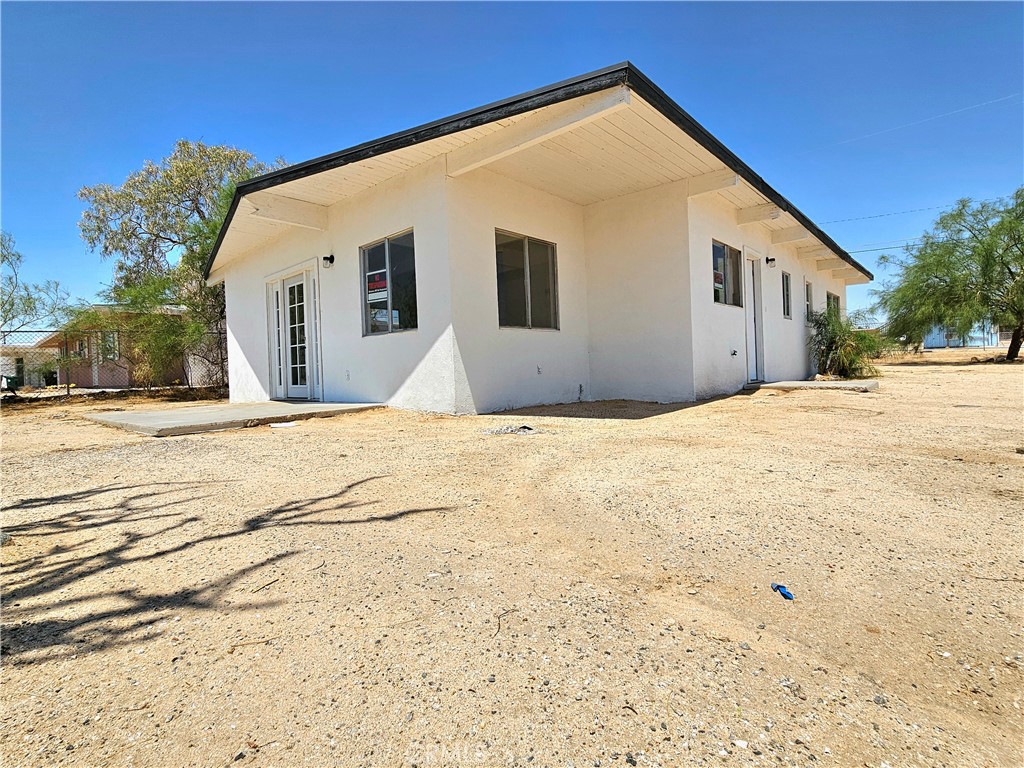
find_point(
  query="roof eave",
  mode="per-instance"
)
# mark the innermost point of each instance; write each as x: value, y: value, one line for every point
x: 657, y: 98
x: 619, y: 74
x: 592, y: 82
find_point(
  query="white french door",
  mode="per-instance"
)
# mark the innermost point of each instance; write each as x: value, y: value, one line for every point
x: 293, y: 338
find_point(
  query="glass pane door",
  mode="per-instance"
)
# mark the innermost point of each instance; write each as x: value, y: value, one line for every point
x: 297, y: 367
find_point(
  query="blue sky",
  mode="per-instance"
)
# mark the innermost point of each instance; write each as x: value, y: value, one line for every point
x: 90, y: 91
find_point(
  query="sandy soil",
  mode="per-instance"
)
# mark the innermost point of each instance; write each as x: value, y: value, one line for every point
x: 389, y: 588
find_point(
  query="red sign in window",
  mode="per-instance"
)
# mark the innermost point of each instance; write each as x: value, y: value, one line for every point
x: 377, y: 286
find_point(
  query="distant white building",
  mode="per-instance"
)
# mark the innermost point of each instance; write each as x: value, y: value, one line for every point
x: 981, y: 335
x: 587, y: 240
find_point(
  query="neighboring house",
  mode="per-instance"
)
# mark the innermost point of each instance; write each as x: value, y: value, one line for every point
x: 981, y: 335
x: 98, y: 357
x: 587, y: 240
x: 28, y: 366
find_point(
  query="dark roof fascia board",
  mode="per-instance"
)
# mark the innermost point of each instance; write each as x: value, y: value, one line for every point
x: 652, y: 94
x: 489, y: 113
x: 602, y: 79
x: 555, y: 93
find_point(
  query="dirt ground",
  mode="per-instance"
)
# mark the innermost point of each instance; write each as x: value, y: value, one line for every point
x: 390, y: 588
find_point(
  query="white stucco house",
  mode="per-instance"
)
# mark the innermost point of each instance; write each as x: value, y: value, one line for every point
x: 587, y: 240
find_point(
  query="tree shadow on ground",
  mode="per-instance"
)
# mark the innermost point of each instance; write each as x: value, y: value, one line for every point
x: 148, y: 528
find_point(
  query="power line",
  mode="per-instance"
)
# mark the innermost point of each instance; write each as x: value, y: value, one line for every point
x: 929, y: 119
x: 889, y: 242
x: 909, y: 125
x: 880, y: 215
x: 899, y: 213
x: 912, y: 241
x: 888, y: 248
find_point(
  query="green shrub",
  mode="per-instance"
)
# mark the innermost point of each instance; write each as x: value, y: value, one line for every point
x: 877, y: 345
x: 839, y: 349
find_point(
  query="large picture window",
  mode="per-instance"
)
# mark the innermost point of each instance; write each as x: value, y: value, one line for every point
x: 389, y: 285
x: 527, y: 282
x: 727, y: 275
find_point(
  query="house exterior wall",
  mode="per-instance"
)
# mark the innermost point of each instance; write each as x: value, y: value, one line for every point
x: 638, y: 283
x: 9, y: 367
x: 513, y: 367
x: 411, y: 369
x: 720, y: 329
x: 980, y: 336
x: 37, y: 363
x: 637, y: 318
x: 111, y: 374
x: 85, y: 366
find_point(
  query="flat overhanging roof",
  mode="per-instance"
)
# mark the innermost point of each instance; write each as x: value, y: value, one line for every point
x: 595, y: 137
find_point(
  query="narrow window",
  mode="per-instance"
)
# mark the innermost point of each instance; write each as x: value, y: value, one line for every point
x: 109, y: 347
x: 296, y: 298
x: 831, y: 302
x: 808, y: 300
x: 787, y: 296
x: 527, y: 282
x: 727, y: 276
x: 277, y: 336
x: 389, y: 285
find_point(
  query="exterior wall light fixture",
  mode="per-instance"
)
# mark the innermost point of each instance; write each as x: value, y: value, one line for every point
x: 328, y: 261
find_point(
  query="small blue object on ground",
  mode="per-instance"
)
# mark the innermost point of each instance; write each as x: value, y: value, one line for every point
x: 781, y: 589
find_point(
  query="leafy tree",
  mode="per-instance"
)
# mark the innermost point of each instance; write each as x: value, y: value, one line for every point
x: 968, y: 269
x: 26, y: 304
x: 160, y: 226
x: 205, y: 302
x: 151, y: 220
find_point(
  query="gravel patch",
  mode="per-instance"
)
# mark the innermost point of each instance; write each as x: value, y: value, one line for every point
x: 391, y: 588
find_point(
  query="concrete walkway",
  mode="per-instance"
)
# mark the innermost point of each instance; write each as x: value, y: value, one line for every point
x: 859, y: 385
x: 210, y: 418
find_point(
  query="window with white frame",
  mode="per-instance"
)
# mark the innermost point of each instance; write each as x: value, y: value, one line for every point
x: 808, y: 300
x: 787, y: 295
x: 527, y: 282
x: 728, y: 279
x: 389, y: 285
x: 831, y: 302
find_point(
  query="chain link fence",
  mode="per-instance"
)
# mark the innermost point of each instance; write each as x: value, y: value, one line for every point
x: 57, y: 361
x: 207, y: 364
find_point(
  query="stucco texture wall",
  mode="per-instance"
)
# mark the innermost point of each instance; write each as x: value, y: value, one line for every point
x: 637, y: 318
x: 720, y: 329
x: 512, y: 367
x: 411, y: 369
x: 639, y: 296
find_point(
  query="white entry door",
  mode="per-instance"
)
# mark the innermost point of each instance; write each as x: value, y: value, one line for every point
x: 296, y: 351
x: 752, y: 303
x: 293, y: 337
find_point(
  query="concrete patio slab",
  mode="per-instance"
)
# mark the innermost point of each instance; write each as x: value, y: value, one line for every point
x: 861, y: 385
x: 211, y: 418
